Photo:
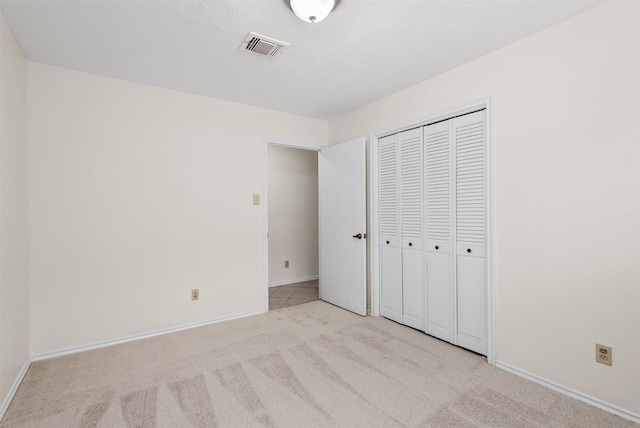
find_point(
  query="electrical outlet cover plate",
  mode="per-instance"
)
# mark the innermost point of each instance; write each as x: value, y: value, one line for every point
x: 195, y: 294
x: 604, y: 354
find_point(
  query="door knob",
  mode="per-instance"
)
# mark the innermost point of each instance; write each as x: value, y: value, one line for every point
x: 468, y: 250
x: 437, y: 248
x: 359, y: 236
x: 387, y: 242
x: 410, y: 244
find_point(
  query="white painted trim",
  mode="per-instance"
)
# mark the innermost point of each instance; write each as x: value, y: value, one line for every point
x: 571, y: 393
x: 293, y: 145
x: 491, y: 243
x: 96, y: 345
x: 293, y: 281
x: 14, y: 388
x: 416, y: 123
x: 265, y: 228
x: 485, y: 103
x: 266, y: 142
x: 374, y: 227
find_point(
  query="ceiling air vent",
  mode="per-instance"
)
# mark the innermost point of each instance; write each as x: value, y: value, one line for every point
x: 261, y: 45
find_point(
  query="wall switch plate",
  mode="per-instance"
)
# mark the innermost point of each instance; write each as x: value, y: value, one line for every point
x: 286, y: 263
x: 256, y: 199
x: 195, y: 294
x: 604, y: 354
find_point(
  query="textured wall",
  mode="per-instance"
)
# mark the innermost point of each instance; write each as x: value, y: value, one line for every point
x: 566, y: 131
x: 14, y: 275
x: 137, y: 195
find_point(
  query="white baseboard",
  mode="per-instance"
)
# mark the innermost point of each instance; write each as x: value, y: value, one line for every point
x: 574, y: 394
x: 14, y: 388
x: 293, y: 281
x: 96, y: 345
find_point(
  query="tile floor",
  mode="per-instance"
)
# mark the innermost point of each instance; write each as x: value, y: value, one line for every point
x: 293, y: 294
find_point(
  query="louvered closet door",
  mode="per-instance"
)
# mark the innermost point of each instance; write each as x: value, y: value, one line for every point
x: 411, y: 164
x: 390, y: 248
x: 438, y: 230
x: 470, y: 226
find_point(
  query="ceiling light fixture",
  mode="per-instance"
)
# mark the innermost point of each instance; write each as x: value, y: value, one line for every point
x: 312, y: 10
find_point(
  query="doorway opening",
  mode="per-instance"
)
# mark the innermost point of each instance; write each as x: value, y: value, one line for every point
x: 342, y: 223
x: 291, y: 225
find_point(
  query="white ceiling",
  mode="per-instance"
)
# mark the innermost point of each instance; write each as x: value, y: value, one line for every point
x: 364, y: 50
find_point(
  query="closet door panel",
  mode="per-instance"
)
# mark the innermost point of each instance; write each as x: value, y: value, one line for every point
x: 438, y: 230
x: 389, y: 284
x: 470, y: 179
x: 470, y: 230
x: 438, y: 295
x: 471, y: 304
x: 412, y: 289
x: 411, y: 176
x: 390, y: 243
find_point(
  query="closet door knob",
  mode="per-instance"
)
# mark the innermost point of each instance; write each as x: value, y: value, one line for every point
x: 437, y: 248
x: 359, y: 236
x: 387, y: 242
x: 410, y: 244
x: 468, y: 250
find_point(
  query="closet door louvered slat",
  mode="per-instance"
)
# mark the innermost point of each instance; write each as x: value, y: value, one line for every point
x: 388, y: 188
x: 390, y: 248
x: 411, y: 184
x: 470, y: 230
x: 438, y: 230
x: 411, y: 201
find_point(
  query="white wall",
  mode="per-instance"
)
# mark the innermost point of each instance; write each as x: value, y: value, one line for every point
x: 14, y: 290
x: 293, y: 213
x: 137, y: 195
x: 566, y: 133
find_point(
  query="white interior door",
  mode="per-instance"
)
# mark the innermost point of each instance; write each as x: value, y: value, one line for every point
x: 342, y: 225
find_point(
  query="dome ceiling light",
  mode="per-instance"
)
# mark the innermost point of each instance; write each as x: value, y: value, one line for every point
x: 312, y: 10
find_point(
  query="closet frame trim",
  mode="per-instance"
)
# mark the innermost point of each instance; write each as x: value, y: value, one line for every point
x: 374, y: 244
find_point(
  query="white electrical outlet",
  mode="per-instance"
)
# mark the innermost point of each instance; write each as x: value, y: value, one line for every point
x: 604, y: 354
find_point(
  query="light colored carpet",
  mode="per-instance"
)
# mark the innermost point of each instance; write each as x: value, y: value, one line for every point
x: 312, y: 365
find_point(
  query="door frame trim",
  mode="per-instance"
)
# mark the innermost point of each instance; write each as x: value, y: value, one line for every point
x: 266, y: 142
x: 374, y: 273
